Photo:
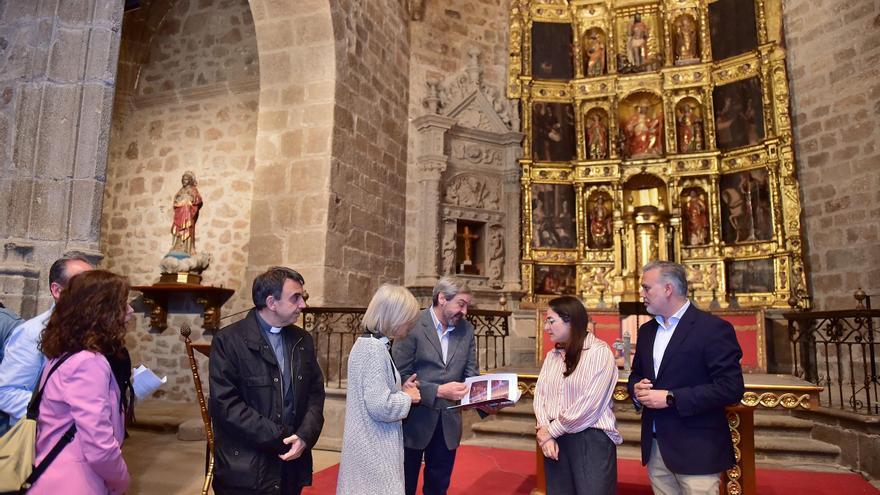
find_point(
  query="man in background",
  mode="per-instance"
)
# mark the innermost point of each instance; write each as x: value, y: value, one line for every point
x: 22, y: 359
x: 8, y: 322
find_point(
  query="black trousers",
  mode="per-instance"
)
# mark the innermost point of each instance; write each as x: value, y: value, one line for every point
x: 438, y: 465
x: 587, y: 465
x: 289, y: 485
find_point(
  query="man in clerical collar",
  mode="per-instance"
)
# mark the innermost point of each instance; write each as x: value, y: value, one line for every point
x: 440, y: 351
x: 267, y: 393
x: 685, y: 371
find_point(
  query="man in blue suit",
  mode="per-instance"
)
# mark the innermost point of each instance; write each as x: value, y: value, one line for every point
x: 685, y: 371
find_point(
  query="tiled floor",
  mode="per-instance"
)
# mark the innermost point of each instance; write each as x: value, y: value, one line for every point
x: 162, y: 465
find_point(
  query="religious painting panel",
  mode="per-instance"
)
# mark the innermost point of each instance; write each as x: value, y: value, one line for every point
x: 641, y: 124
x: 552, y: 51
x: 553, y: 132
x: 686, y: 36
x: 554, y: 280
x: 746, y: 212
x: 750, y: 276
x: 595, y: 60
x: 639, y: 38
x: 732, y: 28
x: 553, y: 216
x: 739, y: 115
x: 596, y: 134
x: 600, y: 221
x: 689, y: 127
x: 695, y: 215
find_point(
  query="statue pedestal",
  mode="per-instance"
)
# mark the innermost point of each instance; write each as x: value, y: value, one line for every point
x: 158, y: 296
x: 180, y: 278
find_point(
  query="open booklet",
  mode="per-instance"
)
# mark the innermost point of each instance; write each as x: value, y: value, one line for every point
x: 488, y: 390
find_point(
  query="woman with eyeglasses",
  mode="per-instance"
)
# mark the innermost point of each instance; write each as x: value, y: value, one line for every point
x: 576, y: 427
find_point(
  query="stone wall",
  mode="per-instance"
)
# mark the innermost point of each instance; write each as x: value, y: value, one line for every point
x: 441, y: 37
x: 834, y: 69
x: 194, y: 107
x: 365, y: 225
x: 201, y: 44
x: 292, y: 173
x: 446, y: 32
x: 57, y: 69
x: 331, y: 144
x: 857, y: 436
x: 150, y: 150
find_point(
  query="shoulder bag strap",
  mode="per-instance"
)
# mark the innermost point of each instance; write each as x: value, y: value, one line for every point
x: 56, y: 449
x: 32, y: 413
x: 33, y: 409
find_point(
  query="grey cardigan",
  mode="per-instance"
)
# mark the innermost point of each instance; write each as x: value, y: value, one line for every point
x: 372, y: 443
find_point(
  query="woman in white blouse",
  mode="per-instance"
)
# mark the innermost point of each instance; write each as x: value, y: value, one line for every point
x: 376, y: 401
x: 573, y: 405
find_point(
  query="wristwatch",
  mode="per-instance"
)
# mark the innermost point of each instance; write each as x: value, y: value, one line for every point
x: 670, y: 399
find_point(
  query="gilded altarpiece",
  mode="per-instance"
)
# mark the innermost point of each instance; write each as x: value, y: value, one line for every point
x: 676, y: 155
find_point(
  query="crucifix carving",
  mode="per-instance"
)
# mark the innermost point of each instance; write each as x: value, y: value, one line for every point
x: 468, y: 235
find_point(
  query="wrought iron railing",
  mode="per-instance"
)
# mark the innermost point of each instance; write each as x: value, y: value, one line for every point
x: 335, y: 330
x: 491, y: 329
x: 838, y: 350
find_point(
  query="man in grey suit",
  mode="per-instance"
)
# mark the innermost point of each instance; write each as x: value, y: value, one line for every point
x: 441, y: 352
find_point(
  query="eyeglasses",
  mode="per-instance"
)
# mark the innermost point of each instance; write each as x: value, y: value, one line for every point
x: 549, y: 320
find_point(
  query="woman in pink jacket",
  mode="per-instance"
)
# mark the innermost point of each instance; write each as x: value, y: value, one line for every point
x: 89, y: 323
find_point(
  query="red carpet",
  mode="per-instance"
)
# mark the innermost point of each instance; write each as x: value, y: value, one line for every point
x: 485, y: 471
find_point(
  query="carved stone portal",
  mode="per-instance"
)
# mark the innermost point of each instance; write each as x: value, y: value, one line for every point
x: 466, y: 157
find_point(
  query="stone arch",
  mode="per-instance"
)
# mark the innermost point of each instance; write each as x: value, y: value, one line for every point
x: 329, y: 166
x: 291, y: 197
x: 330, y: 174
x: 186, y: 99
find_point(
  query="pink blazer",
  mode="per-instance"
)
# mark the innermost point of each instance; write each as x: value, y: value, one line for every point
x: 82, y: 391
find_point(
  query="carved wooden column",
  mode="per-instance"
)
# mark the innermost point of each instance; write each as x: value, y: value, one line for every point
x: 430, y: 165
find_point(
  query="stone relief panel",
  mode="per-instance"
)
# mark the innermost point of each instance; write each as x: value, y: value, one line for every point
x: 448, y: 253
x: 445, y: 97
x: 475, y: 154
x: 496, y: 257
x: 466, y: 157
x: 472, y: 191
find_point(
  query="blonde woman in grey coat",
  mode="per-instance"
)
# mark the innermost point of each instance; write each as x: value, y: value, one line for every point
x: 376, y: 401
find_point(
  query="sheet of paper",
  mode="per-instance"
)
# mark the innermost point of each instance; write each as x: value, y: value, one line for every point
x: 145, y: 382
